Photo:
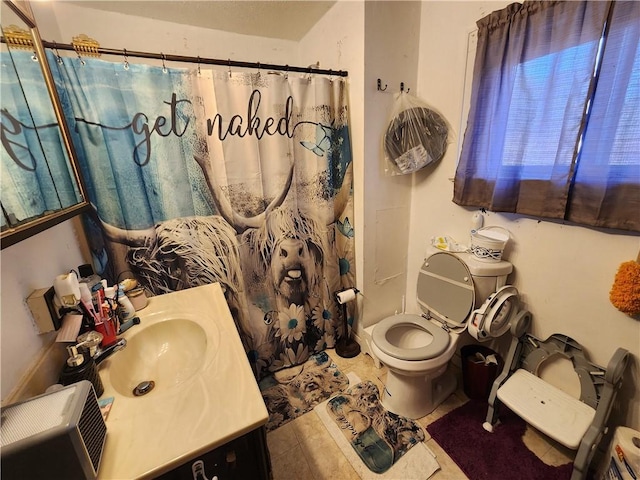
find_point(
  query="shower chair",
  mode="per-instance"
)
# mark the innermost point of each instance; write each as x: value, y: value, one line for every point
x: 578, y: 424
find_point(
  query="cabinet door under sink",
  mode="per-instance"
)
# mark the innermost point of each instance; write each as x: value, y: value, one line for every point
x: 245, y: 458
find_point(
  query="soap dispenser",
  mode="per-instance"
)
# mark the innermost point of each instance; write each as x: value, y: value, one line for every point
x: 79, y: 367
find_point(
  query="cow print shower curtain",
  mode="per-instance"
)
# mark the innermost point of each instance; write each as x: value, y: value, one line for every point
x: 200, y: 176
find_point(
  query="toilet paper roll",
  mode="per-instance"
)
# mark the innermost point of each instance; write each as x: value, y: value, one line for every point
x: 346, y: 295
x: 624, y: 454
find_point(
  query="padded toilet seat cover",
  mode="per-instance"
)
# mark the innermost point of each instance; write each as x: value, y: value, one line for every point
x: 437, y: 346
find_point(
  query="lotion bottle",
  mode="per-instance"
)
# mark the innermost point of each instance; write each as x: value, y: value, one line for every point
x: 126, y: 310
x: 79, y: 367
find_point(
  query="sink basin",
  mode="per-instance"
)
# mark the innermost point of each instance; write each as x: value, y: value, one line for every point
x: 167, y: 353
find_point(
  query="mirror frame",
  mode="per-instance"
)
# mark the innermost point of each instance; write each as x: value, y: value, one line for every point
x: 16, y: 234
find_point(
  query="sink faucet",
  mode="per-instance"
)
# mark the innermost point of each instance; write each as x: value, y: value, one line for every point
x: 105, y: 353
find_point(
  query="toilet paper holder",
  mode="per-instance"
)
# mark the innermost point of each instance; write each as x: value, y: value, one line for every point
x: 346, y: 295
x: 346, y: 346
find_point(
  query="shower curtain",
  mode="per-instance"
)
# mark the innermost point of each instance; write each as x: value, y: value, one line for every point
x: 200, y: 176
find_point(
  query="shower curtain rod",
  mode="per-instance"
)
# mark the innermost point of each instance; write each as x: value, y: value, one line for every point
x: 199, y: 60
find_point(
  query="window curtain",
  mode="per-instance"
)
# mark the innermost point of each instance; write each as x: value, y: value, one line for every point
x: 607, y: 183
x: 533, y: 78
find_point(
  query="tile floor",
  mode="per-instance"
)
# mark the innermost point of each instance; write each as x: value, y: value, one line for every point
x: 303, y: 449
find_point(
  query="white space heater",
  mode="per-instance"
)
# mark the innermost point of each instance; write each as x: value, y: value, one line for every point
x: 55, y: 435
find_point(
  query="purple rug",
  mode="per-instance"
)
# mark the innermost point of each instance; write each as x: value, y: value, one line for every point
x: 491, y: 456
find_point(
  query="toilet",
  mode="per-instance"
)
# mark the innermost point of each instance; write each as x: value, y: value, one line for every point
x: 417, y: 348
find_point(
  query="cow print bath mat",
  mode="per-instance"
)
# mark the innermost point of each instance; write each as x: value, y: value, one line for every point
x: 294, y: 391
x: 378, y: 436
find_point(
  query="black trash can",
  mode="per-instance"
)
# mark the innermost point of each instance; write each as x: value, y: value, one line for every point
x: 477, y: 378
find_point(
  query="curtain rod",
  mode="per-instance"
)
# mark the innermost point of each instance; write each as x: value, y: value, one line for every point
x: 201, y: 60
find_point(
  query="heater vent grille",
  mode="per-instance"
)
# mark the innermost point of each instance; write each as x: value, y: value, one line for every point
x: 92, y: 429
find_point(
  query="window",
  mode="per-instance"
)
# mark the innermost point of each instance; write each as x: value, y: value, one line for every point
x: 554, y: 120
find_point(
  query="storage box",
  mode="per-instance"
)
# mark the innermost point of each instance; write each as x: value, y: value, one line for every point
x: 45, y: 318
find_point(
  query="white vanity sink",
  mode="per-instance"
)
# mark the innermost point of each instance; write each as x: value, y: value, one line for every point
x: 204, y: 391
x: 165, y: 353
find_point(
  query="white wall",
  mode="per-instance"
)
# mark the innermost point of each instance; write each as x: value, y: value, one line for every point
x: 62, y: 21
x: 391, y: 54
x: 28, y: 266
x: 564, y: 272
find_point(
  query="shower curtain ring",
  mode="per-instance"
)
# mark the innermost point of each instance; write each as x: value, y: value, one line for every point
x: 286, y: 72
x: 126, y: 60
x: 58, y: 57
x: 82, y: 62
x: 199, y: 72
x: 229, y: 63
x: 310, y: 70
x: 164, y: 67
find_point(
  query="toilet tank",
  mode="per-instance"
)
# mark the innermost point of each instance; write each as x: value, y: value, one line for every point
x: 487, y: 276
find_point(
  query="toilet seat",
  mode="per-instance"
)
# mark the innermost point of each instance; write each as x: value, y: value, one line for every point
x: 439, y: 343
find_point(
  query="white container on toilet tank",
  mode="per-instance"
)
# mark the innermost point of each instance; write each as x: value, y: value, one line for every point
x: 416, y: 348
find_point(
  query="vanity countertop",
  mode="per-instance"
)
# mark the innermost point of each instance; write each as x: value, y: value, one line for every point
x: 152, y: 434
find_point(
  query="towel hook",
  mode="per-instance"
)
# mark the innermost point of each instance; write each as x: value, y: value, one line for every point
x: 380, y: 89
x: 402, y: 88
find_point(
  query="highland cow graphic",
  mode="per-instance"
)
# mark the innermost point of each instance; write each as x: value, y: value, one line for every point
x: 187, y: 252
x: 278, y: 256
x: 289, y: 250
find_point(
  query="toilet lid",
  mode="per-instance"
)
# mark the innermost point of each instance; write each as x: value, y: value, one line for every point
x: 381, y: 336
x: 445, y: 289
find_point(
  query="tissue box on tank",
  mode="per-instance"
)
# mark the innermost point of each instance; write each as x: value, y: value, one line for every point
x: 55, y: 435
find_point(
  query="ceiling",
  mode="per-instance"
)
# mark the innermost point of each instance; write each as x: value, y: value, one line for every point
x: 288, y: 20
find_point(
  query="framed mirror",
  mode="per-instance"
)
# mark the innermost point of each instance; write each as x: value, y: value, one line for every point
x: 40, y: 181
